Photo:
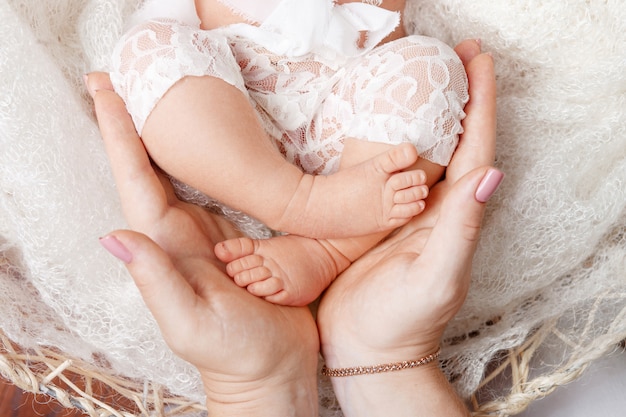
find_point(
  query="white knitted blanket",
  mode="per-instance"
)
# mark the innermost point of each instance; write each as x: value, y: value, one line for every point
x: 554, y: 242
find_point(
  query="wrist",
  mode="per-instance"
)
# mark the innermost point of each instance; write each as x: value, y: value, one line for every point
x: 381, y: 367
x: 422, y: 391
x: 289, y: 397
x: 352, y: 352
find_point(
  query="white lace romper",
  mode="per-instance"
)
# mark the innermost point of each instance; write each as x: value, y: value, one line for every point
x: 303, y: 69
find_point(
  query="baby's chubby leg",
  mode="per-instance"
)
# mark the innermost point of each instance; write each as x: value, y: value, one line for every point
x: 205, y: 133
x: 428, y: 116
x: 203, y: 130
x: 295, y: 270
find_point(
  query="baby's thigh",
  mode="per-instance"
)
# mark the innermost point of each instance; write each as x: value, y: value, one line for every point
x: 404, y: 75
x: 156, y: 54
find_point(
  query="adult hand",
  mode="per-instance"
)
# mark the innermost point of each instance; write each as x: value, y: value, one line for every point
x: 255, y: 358
x: 394, y: 303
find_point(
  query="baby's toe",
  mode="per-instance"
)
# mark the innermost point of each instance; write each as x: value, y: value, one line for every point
x: 244, y: 264
x: 411, y: 195
x: 407, y: 179
x: 402, y: 213
x: 266, y: 287
x: 250, y: 276
x: 397, y: 158
x: 282, y: 298
x: 232, y: 249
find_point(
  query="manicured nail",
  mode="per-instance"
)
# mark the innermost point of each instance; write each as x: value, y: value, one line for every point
x: 479, y: 41
x: 488, y: 186
x: 116, y: 248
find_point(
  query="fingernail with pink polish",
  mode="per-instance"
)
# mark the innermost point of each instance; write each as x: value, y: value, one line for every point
x: 116, y: 248
x: 488, y: 186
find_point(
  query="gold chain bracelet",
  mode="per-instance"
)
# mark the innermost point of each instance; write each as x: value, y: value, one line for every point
x: 376, y: 369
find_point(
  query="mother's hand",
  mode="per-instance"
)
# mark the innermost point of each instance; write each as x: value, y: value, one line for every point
x: 394, y: 303
x: 252, y: 355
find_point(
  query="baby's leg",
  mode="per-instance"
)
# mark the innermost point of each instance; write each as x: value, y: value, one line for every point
x: 204, y: 131
x: 434, y: 132
x: 216, y: 144
x: 295, y: 270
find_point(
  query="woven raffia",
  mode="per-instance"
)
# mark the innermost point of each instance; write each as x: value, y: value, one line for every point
x: 76, y: 384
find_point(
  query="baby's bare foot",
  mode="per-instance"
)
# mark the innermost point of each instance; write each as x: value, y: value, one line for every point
x: 288, y: 270
x: 371, y: 197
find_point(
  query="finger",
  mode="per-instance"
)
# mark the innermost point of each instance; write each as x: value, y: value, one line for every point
x: 142, y: 194
x: 450, y: 248
x: 477, y: 143
x: 165, y: 292
x: 468, y: 50
x: 97, y: 81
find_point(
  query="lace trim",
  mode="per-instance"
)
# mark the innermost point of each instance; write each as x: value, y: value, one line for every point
x: 410, y: 90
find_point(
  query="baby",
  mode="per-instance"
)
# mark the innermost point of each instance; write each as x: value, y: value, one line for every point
x: 291, y: 111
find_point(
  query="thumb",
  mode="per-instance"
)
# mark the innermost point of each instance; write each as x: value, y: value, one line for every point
x: 452, y: 243
x: 164, y: 290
